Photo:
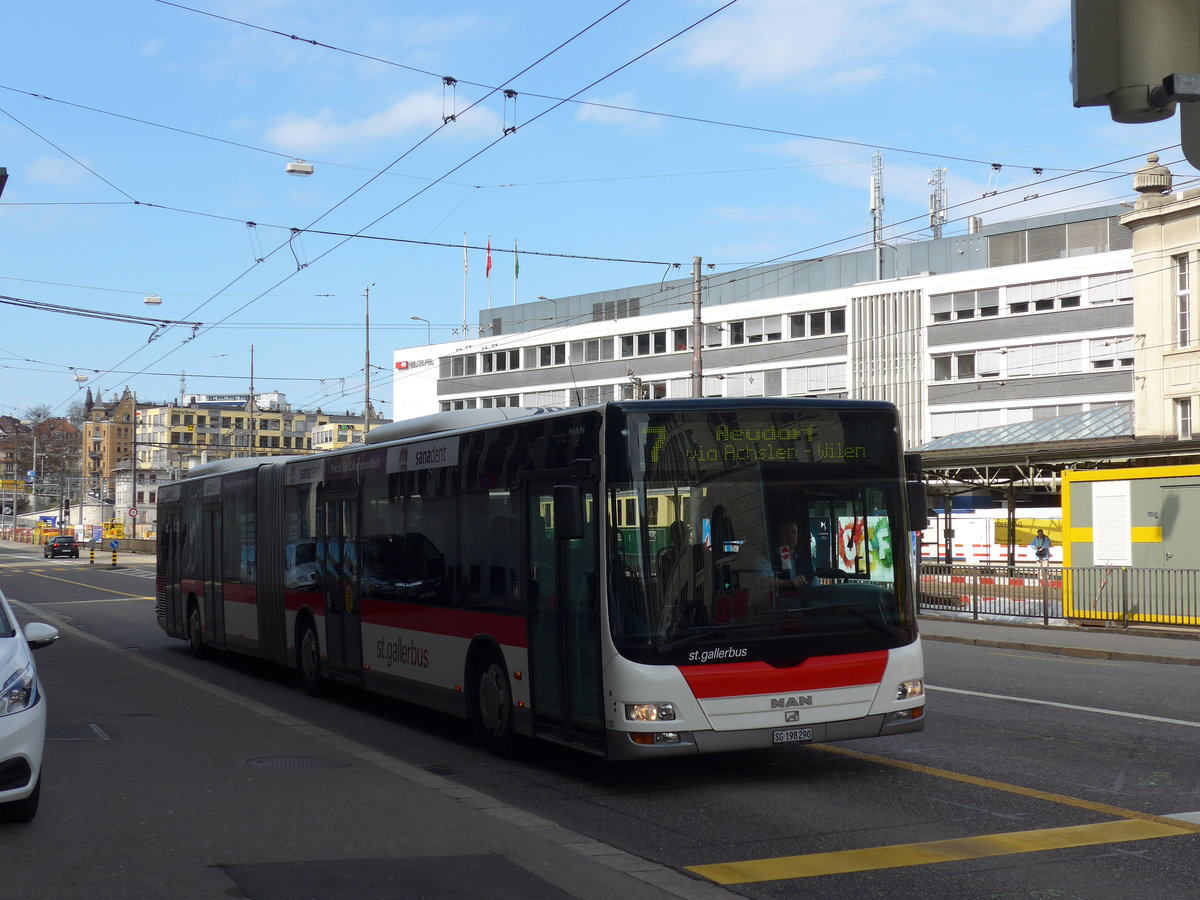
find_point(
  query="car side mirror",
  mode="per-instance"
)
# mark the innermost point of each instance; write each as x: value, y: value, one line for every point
x: 39, y: 635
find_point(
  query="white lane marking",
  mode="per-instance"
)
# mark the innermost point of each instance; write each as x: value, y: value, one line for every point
x: 1091, y: 709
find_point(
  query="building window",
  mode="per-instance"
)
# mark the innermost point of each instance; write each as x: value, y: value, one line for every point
x: 815, y: 324
x: 1183, y: 302
x: 502, y: 361
x: 756, y: 331
x: 1183, y: 418
x: 1111, y: 353
x: 552, y: 355
x: 501, y: 401
x: 968, y: 366
x: 463, y: 365
x: 964, y: 305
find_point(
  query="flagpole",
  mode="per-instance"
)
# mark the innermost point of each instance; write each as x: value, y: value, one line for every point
x: 465, y: 268
x: 516, y: 271
x: 487, y: 271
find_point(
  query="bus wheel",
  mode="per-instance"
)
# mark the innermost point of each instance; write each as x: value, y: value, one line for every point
x: 492, y: 710
x: 308, y: 660
x: 195, y: 633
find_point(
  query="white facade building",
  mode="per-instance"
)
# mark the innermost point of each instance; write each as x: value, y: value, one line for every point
x: 1014, y: 322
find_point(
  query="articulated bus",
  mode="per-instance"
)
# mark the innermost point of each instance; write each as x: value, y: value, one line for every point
x: 508, y: 566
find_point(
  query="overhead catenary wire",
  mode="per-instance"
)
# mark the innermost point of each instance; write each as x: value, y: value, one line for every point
x: 394, y: 162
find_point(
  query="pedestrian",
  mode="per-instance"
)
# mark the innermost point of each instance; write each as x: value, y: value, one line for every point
x: 1041, y: 549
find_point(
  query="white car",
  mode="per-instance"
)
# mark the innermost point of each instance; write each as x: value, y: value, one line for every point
x: 22, y: 715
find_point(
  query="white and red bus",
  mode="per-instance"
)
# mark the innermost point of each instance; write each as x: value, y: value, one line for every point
x: 504, y: 565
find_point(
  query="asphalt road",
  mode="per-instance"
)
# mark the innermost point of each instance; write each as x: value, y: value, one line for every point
x: 1037, y: 776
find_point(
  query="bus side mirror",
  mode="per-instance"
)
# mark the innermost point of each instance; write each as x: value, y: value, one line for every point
x: 918, y: 502
x: 918, y: 506
x: 568, y: 512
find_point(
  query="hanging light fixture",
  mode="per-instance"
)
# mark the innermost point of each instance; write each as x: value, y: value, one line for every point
x: 299, y: 167
x: 153, y: 300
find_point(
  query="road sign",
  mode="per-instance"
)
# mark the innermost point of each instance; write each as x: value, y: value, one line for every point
x: 113, y: 545
x: 133, y: 512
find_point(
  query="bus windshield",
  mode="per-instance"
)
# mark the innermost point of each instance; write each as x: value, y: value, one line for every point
x: 762, y: 534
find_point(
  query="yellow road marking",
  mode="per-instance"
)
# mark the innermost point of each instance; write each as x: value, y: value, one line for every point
x: 1117, y: 812
x: 899, y: 855
x: 1131, y: 825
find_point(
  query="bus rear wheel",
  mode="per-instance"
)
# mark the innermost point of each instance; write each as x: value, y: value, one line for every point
x: 195, y: 633
x: 492, y: 708
x: 308, y: 660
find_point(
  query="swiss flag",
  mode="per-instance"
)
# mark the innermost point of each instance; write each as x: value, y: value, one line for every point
x: 487, y: 270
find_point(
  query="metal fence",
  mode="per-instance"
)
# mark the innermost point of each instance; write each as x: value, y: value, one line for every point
x: 1121, y: 595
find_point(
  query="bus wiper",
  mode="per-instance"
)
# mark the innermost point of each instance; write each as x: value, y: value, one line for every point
x: 854, y: 609
x: 874, y: 620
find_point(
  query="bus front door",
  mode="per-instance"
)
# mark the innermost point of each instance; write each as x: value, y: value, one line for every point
x: 339, y: 567
x: 564, y: 623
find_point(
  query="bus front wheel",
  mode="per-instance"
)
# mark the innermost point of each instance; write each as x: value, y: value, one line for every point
x: 492, y: 710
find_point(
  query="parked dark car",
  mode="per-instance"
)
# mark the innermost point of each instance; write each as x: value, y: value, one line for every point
x: 63, y: 545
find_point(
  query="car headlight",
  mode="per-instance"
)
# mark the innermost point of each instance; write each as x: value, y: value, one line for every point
x: 19, y: 691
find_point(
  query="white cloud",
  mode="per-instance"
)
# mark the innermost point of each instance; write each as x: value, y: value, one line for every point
x: 153, y: 47
x: 421, y: 112
x: 615, y: 111
x: 760, y: 215
x: 55, y: 171
x: 816, y: 44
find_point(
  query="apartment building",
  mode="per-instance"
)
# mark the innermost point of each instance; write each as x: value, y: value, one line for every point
x: 167, y: 439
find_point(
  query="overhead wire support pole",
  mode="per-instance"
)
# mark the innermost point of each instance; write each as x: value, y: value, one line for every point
x: 697, y: 332
x: 367, y: 361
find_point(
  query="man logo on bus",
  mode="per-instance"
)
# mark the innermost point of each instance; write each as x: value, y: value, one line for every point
x: 786, y: 702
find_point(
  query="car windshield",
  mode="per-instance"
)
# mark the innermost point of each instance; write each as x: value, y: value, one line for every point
x: 758, y: 548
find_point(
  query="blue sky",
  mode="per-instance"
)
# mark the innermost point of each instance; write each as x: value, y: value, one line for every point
x: 141, y: 137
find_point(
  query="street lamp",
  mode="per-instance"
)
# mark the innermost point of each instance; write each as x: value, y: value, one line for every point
x: 428, y: 332
x: 555, y: 302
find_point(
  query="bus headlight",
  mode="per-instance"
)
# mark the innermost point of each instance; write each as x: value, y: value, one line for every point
x: 906, y: 690
x: 650, y: 712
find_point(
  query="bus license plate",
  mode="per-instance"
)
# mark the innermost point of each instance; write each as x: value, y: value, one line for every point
x: 791, y: 735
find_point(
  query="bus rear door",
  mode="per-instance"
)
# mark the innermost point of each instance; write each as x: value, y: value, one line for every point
x: 339, y: 567
x: 213, y: 573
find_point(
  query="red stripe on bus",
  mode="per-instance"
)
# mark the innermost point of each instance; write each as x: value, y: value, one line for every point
x: 817, y: 673
x: 460, y: 623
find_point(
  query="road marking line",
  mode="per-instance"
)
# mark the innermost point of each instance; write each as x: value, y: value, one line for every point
x: 956, y: 849
x: 1116, y: 812
x: 1091, y: 709
x: 80, y: 584
x: 46, y: 603
x: 1131, y: 825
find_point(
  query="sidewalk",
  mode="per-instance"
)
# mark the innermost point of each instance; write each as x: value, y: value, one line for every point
x: 161, y: 784
x: 1135, y: 644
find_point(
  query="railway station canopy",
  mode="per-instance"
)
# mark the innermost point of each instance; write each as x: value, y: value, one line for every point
x: 1030, y: 457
